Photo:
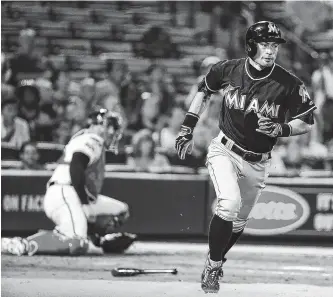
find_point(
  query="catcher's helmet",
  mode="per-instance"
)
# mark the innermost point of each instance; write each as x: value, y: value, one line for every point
x: 106, y: 118
x: 261, y: 32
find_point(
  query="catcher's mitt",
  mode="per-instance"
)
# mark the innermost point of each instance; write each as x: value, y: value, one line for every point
x: 107, y: 224
x: 117, y: 243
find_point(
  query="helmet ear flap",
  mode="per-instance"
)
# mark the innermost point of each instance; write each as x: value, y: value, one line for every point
x: 251, y: 48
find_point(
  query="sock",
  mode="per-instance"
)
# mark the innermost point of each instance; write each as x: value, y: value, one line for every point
x: 219, y: 236
x: 233, y: 239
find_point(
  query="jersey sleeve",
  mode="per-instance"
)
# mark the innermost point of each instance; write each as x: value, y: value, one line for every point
x: 300, y: 105
x: 87, y: 144
x: 214, y: 78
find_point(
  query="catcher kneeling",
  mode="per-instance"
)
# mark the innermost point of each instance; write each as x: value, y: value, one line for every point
x: 73, y: 201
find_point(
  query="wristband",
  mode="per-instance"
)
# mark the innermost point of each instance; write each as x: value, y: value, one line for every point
x: 286, y: 130
x: 190, y: 121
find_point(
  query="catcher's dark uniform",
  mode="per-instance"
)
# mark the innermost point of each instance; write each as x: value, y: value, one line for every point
x: 279, y: 96
x: 238, y: 158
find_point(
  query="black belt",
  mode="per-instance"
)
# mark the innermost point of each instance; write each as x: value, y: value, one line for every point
x: 246, y: 155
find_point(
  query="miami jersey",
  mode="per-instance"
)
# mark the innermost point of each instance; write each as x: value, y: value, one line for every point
x: 92, y: 146
x: 279, y: 96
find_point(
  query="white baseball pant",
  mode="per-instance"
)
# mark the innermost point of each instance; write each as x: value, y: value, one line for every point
x: 237, y: 183
x: 63, y: 206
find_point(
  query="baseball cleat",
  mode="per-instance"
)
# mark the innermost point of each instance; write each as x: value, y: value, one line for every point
x: 18, y: 246
x: 210, y: 277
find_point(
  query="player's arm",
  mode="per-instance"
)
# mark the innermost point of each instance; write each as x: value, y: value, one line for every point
x: 77, y: 170
x: 301, y: 110
x: 85, y: 151
x: 209, y: 85
x: 299, y: 126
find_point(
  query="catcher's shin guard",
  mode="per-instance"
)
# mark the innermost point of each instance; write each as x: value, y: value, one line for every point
x: 106, y: 224
x: 54, y: 243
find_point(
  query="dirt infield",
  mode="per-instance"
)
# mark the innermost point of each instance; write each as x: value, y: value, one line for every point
x: 103, y: 288
x: 250, y: 271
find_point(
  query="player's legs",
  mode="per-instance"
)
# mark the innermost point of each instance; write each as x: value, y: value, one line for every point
x: 105, y: 205
x: 63, y: 207
x: 107, y: 209
x: 55, y: 243
x: 223, y: 170
x: 222, y: 167
x: 110, y: 215
x: 251, y: 186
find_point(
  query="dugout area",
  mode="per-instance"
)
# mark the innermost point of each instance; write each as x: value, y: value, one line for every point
x: 250, y: 271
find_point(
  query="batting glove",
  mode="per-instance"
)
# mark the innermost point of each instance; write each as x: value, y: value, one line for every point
x: 184, y: 142
x: 271, y: 129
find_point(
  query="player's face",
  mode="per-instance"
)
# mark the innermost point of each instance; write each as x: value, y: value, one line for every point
x: 109, y: 135
x: 266, y: 53
x: 112, y: 138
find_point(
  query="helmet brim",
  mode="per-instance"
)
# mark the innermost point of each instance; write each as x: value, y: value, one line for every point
x: 270, y: 39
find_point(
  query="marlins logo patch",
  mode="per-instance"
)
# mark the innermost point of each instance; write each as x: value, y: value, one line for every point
x: 272, y: 28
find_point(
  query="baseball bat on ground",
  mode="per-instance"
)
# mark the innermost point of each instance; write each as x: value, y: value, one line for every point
x: 137, y: 271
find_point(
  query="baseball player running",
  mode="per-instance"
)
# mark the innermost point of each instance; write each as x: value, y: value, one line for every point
x: 261, y: 102
x: 72, y: 200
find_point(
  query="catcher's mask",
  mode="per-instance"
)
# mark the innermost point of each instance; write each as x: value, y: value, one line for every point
x: 112, y: 124
x: 261, y: 32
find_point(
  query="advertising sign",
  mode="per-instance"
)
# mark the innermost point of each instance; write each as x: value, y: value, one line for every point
x: 277, y: 211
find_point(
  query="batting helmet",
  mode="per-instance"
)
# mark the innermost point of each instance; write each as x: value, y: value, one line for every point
x: 261, y: 32
x: 101, y: 116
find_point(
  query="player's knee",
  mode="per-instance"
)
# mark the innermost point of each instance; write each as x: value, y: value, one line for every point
x: 227, y: 209
x: 123, y: 216
x: 239, y: 225
x: 106, y: 224
x: 125, y: 213
x: 78, y: 246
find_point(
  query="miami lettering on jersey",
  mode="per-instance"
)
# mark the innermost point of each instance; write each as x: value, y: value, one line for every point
x: 234, y: 100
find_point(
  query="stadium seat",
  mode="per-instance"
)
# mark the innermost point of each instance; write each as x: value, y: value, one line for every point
x: 109, y: 46
x: 323, y: 40
x: 10, y: 26
x: 111, y: 158
x: 155, y: 19
x: 92, y: 31
x: 102, y: 5
x: 87, y: 63
x: 8, y: 152
x: 11, y: 164
x: 54, y: 29
x: 71, y: 14
x: 58, y: 61
x: 112, y: 17
x: 30, y: 11
x: 136, y: 65
x: 136, y: 29
x: 197, y: 50
x: 70, y: 46
x: 49, y: 152
x: 78, y: 75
